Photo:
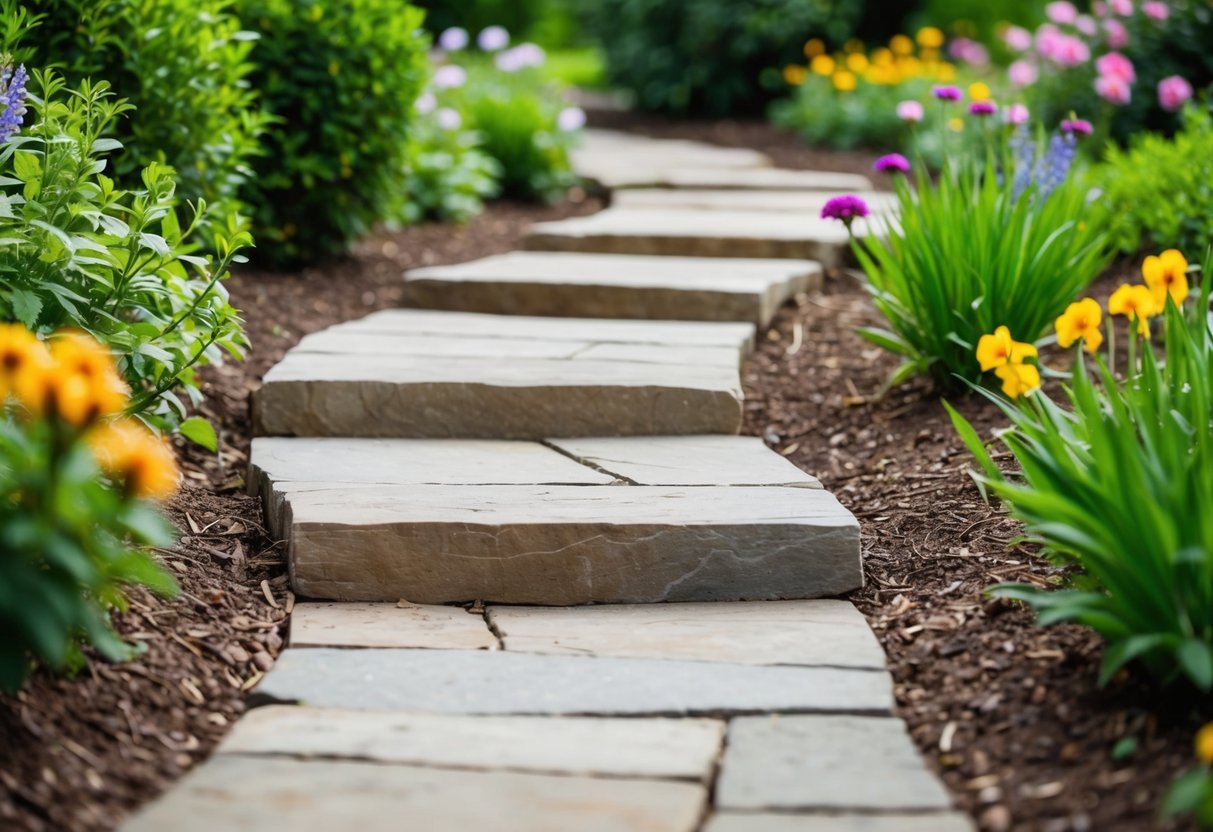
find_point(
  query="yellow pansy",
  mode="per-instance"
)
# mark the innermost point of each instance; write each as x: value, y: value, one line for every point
x: 814, y: 47
x: 844, y: 81
x: 1000, y: 348
x: 822, y: 65
x: 795, y: 75
x: 979, y: 91
x: 1018, y: 379
x: 1134, y: 301
x: 901, y: 45
x: 930, y: 37
x: 1167, y: 274
x: 1081, y: 320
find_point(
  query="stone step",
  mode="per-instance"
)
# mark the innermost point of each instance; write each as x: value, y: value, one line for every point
x: 614, y: 286
x: 695, y: 233
x: 692, y: 175
x: 603, y: 154
x: 781, y: 201
x: 410, y: 373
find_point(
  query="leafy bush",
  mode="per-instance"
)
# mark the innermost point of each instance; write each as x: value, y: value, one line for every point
x: 1120, y: 487
x: 77, y: 251
x: 449, y: 177
x: 709, y: 57
x: 517, y: 16
x: 1159, y: 193
x: 341, y: 76
x: 69, y: 536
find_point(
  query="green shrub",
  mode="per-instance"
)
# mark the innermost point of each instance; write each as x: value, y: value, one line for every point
x: 517, y: 16
x: 448, y: 176
x: 845, y: 120
x: 709, y: 57
x: 1159, y: 192
x: 1119, y: 486
x: 341, y: 76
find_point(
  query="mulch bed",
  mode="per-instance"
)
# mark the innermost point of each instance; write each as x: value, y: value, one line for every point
x: 1008, y: 712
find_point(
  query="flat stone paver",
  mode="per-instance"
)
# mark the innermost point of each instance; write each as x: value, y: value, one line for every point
x: 791, y: 763
x: 752, y: 822
x: 688, y: 460
x: 324, y: 624
x: 691, y: 176
x: 668, y: 749
x: 563, y: 545
x: 235, y: 793
x: 501, y: 682
x: 784, y: 201
x: 614, y: 286
x: 806, y: 633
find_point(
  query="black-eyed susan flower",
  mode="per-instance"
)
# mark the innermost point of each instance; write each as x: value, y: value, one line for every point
x: 1166, y: 274
x: 999, y: 349
x: 132, y: 454
x: 1018, y: 379
x: 83, y: 384
x: 1081, y: 321
x: 24, y: 362
x: 1134, y: 301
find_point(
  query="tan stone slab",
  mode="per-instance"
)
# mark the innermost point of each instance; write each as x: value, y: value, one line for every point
x: 678, y: 749
x: 687, y: 460
x: 753, y: 822
x: 564, y: 545
x: 322, y: 624
x: 235, y: 793
x: 602, y: 151
x: 690, y: 175
x: 351, y: 342
x: 809, y: 633
x: 784, y: 201
x: 648, y: 354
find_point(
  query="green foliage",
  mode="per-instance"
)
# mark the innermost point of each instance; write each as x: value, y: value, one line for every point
x: 341, y: 76
x: 449, y: 177
x: 709, y: 57
x: 865, y: 117
x: 77, y: 251
x: 1159, y: 192
x: 182, y: 64
x: 1120, y: 486
x: 1192, y: 794
x: 519, y: 17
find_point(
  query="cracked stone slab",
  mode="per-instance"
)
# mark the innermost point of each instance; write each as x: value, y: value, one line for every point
x: 670, y: 749
x: 805, y: 633
x: 501, y: 682
x: 236, y: 793
x: 837, y: 763
x: 614, y: 286
x: 753, y: 822
x: 790, y: 201
x: 320, y: 624
x: 698, y: 233
x: 688, y: 460
x: 565, y: 545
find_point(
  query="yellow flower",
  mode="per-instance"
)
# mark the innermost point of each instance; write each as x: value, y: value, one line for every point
x: 24, y: 361
x: 844, y: 81
x: 1018, y: 379
x: 131, y: 453
x: 83, y: 385
x: 1000, y: 349
x: 857, y: 62
x: 1081, y: 320
x: 956, y: 124
x: 1167, y: 274
x: 1204, y: 744
x: 1134, y: 301
x: 822, y: 65
x: 883, y: 57
x: 853, y: 45
x: 795, y: 75
x: 930, y: 37
x: 945, y: 71
x: 979, y: 91
x: 930, y: 56
x: 814, y: 47
x: 901, y: 45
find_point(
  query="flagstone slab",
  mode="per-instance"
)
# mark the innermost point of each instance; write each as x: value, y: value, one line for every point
x: 602, y: 152
x: 236, y: 793
x: 798, y: 763
x: 687, y: 460
x: 501, y: 682
x: 691, y: 175
x: 784, y: 201
x: 321, y: 624
x: 565, y: 545
x: 681, y: 749
x: 806, y: 633
x: 614, y: 286
x: 752, y: 822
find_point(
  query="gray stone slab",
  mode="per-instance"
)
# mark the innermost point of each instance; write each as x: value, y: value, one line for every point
x: 321, y: 624
x: 235, y: 793
x: 668, y: 356
x: 838, y: 763
x: 752, y: 822
x: 680, y: 749
x: 501, y: 682
x: 565, y: 545
x: 807, y: 633
x: 350, y: 342
x: 783, y: 201
x: 688, y: 460
x: 601, y: 152
x: 690, y: 175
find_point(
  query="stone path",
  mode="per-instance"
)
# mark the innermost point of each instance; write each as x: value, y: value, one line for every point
x: 508, y: 454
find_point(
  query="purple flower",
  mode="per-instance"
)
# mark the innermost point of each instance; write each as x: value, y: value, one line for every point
x: 947, y: 93
x: 12, y: 98
x: 493, y: 38
x: 983, y: 108
x: 570, y: 119
x: 846, y: 208
x: 522, y: 56
x: 1077, y: 126
x: 453, y: 39
x: 892, y: 163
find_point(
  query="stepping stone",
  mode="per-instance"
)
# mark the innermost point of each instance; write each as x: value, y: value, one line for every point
x: 691, y: 175
x: 751, y: 822
x: 602, y: 153
x: 698, y: 233
x: 805, y: 633
x: 783, y: 201
x: 248, y: 794
x: 501, y: 682
x: 565, y: 545
x: 668, y: 749
x: 835, y: 763
x: 614, y: 286
x: 687, y: 460
x: 318, y: 624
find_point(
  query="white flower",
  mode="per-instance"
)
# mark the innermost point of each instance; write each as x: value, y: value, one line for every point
x: 493, y: 38
x: 426, y: 103
x: 570, y: 119
x: 453, y: 39
x: 448, y: 119
x: 449, y: 76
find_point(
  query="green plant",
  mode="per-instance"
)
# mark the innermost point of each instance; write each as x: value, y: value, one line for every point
x: 448, y: 176
x: 77, y: 251
x: 73, y: 503
x: 341, y: 76
x: 1159, y: 192
x: 1192, y: 792
x: 864, y: 117
x: 1119, y: 486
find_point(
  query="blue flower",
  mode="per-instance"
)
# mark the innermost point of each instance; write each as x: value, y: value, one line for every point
x: 12, y: 99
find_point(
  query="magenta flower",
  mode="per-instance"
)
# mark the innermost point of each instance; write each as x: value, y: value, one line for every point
x: 911, y: 111
x: 1071, y: 51
x: 1116, y: 65
x: 1023, y: 73
x: 1061, y: 12
x: 1077, y: 127
x: 1016, y: 114
x: 892, y: 163
x: 1156, y: 10
x: 983, y: 108
x: 1124, y: 8
x: 1173, y: 93
x: 1113, y: 90
x: 947, y: 93
x: 846, y: 208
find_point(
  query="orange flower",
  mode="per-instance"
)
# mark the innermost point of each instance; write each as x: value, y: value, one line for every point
x: 1081, y: 320
x: 131, y: 453
x: 1167, y: 274
x: 1134, y: 301
x: 24, y: 361
x: 83, y: 385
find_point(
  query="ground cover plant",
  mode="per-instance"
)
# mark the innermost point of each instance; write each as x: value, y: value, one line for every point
x: 448, y: 175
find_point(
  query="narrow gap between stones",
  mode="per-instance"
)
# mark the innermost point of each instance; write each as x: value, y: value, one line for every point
x: 547, y: 443
x: 709, y: 806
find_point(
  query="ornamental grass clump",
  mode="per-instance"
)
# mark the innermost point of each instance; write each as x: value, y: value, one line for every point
x: 1118, y: 484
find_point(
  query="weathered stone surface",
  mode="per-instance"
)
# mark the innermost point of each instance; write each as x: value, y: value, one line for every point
x: 564, y: 545
x: 698, y: 233
x: 321, y: 624
x: 668, y: 356
x: 235, y: 793
x: 783, y: 201
x: 501, y: 682
x: 688, y: 460
x: 751, y: 822
x: 809, y: 633
x: 605, y: 155
x: 614, y: 286
x: 825, y: 763
x: 690, y: 175
x: 683, y: 749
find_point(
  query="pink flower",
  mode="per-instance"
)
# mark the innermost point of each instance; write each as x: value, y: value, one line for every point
x: 1099, y: 8
x: 1173, y: 93
x: 911, y: 111
x: 1117, y: 66
x: 1016, y: 114
x: 1061, y: 12
x: 1022, y: 73
x: 1124, y: 8
x: 1087, y: 25
x: 1156, y: 10
x: 983, y: 108
x: 1113, y: 90
x: 969, y: 51
x: 845, y: 208
x: 1048, y: 39
x: 1077, y: 126
x: 1017, y: 38
x: 1118, y: 35
x: 892, y: 163
x: 1072, y: 51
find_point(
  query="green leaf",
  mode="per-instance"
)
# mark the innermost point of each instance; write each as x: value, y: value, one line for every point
x: 1196, y: 658
x: 26, y: 165
x: 1187, y: 793
x: 200, y: 432
x: 27, y: 306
